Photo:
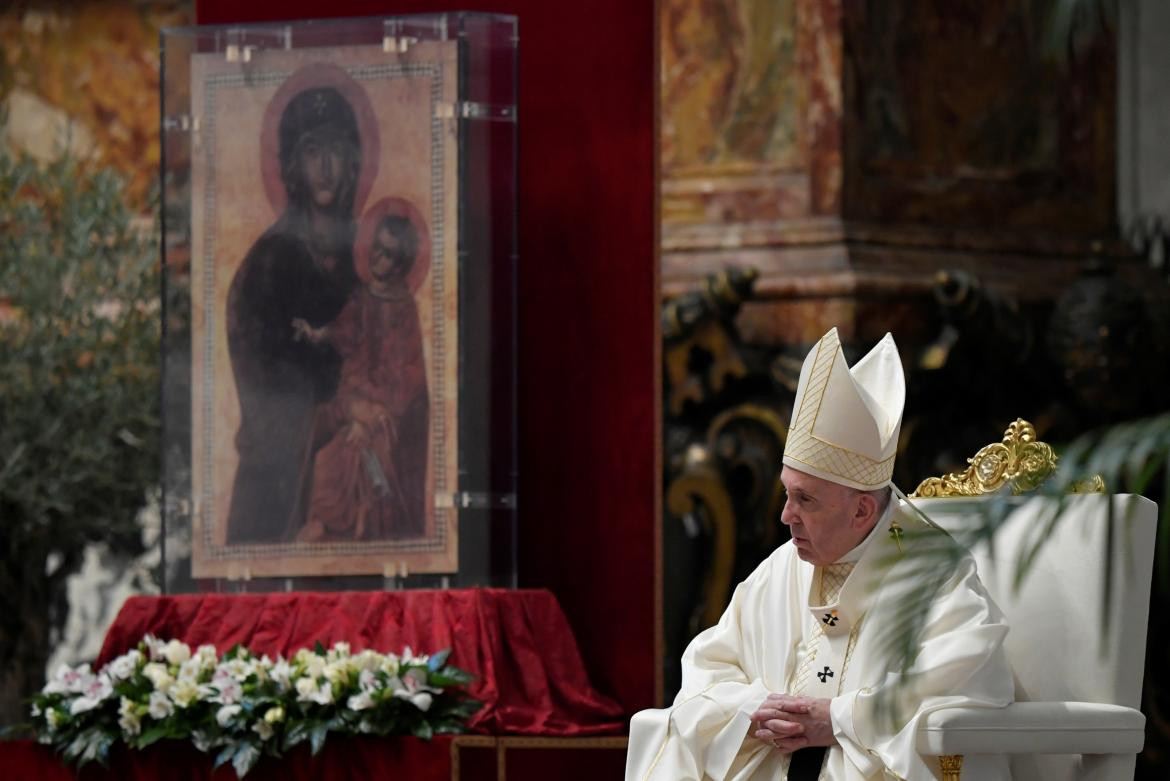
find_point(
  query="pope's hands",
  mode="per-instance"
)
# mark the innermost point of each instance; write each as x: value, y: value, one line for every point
x: 790, y: 723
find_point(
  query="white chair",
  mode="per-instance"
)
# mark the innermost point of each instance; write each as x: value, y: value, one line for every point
x: 1078, y: 659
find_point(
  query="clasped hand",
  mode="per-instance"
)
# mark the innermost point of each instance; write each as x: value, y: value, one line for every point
x: 790, y: 723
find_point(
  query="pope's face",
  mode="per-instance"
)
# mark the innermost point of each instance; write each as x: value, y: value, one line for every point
x: 826, y: 519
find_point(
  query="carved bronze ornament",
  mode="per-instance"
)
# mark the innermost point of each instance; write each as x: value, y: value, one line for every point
x: 951, y: 766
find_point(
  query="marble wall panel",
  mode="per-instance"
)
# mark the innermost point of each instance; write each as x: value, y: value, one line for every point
x: 819, y: 63
x: 729, y: 85
x: 960, y: 113
x: 734, y: 142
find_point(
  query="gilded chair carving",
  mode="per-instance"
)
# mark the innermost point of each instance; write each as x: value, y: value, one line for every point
x: 1078, y: 618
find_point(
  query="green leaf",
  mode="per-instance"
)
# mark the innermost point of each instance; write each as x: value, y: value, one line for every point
x: 466, y: 708
x: 438, y: 660
x: 245, y: 758
x: 423, y: 729
x: 104, y: 743
x: 226, y: 754
x: 450, y: 676
x: 75, y: 747
x: 97, y: 746
x: 297, y: 733
x: 317, y: 737
x: 152, y: 735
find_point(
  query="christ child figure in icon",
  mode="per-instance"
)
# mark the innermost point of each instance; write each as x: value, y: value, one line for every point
x: 369, y: 477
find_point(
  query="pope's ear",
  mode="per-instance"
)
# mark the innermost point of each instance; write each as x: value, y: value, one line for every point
x: 865, y: 510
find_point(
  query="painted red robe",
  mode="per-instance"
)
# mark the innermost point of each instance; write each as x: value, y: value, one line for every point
x: 373, y: 487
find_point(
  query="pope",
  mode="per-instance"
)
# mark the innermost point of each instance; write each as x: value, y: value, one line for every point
x: 797, y: 680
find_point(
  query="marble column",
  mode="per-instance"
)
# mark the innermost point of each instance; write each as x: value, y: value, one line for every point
x: 849, y: 149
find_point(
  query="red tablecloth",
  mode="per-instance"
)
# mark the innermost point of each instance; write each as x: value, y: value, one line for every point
x: 528, y: 670
x: 341, y: 759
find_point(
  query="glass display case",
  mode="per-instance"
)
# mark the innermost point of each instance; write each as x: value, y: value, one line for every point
x: 339, y: 250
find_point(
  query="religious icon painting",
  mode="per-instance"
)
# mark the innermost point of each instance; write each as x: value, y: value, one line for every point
x: 324, y: 311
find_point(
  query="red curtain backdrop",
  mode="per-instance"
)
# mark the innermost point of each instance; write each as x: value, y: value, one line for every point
x: 517, y: 643
x: 587, y: 312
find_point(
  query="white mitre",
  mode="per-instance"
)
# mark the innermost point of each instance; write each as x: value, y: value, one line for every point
x: 845, y: 421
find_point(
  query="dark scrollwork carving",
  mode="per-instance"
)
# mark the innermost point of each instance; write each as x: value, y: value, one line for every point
x: 724, y: 439
x: 733, y: 474
x: 955, y: 383
x: 701, y: 354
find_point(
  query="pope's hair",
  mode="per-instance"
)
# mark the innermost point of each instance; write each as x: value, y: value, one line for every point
x: 880, y: 495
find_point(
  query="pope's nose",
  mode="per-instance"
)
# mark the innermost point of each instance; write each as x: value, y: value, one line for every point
x: 786, y: 515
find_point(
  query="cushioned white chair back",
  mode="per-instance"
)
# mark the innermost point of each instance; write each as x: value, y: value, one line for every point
x: 1066, y: 641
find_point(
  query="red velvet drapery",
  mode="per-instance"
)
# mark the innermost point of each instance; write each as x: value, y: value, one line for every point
x: 518, y: 644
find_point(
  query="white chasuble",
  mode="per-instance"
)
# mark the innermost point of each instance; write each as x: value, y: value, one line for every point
x: 780, y: 635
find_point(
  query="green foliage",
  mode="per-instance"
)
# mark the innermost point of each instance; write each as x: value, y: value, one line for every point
x: 78, y: 356
x: 79, y: 421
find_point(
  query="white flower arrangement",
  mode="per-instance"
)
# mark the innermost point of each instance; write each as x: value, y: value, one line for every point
x: 246, y: 706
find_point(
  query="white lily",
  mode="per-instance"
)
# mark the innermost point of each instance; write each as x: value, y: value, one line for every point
x: 69, y: 680
x: 184, y: 692
x: 361, y: 701
x: 263, y: 729
x: 176, y: 652
x: 155, y: 647
x: 125, y: 665
x: 157, y: 674
x: 159, y: 706
x: 130, y: 723
x: 224, y: 715
x: 97, y: 691
x: 228, y: 691
x: 281, y: 674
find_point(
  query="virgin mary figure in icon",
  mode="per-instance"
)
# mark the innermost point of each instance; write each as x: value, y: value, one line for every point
x: 301, y: 268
